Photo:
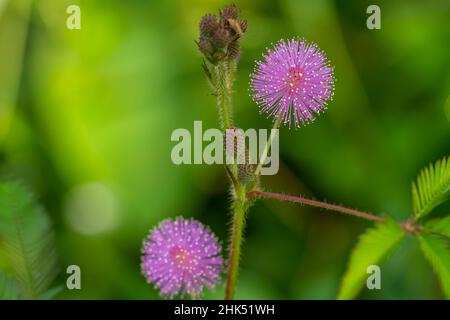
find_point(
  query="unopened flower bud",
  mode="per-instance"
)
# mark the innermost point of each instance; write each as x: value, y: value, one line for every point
x: 208, y: 26
x: 219, y: 37
x: 229, y: 12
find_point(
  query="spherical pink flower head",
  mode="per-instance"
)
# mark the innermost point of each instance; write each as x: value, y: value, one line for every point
x: 293, y: 83
x: 181, y: 256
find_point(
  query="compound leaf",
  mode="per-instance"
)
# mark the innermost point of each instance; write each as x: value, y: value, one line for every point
x: 372, y: 249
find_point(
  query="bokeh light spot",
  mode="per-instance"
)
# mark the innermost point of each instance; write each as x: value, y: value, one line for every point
x: 91, y: 208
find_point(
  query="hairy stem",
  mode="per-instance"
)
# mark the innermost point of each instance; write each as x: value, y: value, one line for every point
x: 239, y: 209
x: 315, y: 203
x: 225, y: 77
x: 408, y: 226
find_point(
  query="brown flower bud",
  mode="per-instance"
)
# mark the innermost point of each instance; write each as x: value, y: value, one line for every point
x: 205, y: 46
x: 208, y: 26
x: 234, y: 49
x: 243, y: 24
x: 229, y: 12
x: 234, y: 143
x: 246, y: 172
x: 219, y: 37
x: 235, y: 27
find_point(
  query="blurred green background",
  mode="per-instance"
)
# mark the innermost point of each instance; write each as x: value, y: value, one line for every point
x: 86, y: 117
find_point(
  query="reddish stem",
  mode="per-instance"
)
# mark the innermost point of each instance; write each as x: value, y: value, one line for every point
x: 315, y: 203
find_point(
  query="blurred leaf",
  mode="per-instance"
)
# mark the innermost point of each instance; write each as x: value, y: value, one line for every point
x: 8, y: 290
x: 26, y: 240
x: 437, y: 251
x: 440, y: 226
x: 431, y: 188
x: 51, y: 293
x: 372, y: 248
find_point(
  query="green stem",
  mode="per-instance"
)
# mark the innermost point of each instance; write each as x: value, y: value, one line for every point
x: 235, y: 247
x: 268, y: 144
x: 225, y: 76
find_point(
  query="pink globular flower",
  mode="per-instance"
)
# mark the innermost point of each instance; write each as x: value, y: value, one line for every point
x: 181, y: 256
x: 293, y: 83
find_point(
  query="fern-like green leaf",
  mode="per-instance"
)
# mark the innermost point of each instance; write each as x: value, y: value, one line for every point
x: 372, y: 249
x: 439, y: 226
x: 26, y: 241
x: 8, y: 289
x: 431, y: 188
x: 437, y: 251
